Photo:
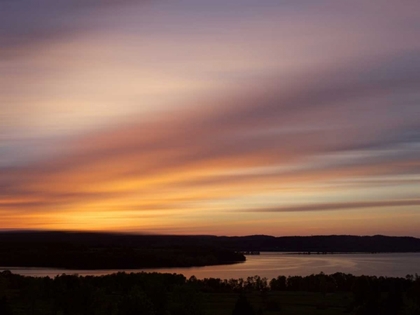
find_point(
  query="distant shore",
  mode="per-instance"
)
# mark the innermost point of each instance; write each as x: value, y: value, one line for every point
x: 95, y: 251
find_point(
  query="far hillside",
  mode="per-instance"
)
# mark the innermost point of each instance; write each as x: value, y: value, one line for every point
x: 330, y: 243
x: 83, y: 250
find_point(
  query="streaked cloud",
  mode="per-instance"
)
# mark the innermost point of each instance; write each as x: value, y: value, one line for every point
x: 343, y: 206
x: 156, y: 116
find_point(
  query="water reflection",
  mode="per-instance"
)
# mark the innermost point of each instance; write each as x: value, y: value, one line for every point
x: 271, y: 265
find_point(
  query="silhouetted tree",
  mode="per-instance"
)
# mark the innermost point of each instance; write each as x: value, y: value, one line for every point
x: 278, y: 284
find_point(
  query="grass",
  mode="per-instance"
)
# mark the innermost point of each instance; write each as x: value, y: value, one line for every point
x: 289, y: 303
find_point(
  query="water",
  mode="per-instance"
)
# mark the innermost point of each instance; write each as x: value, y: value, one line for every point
x: 271, y: 265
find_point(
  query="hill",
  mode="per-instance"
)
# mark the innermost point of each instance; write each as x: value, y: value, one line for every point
x: 88, y: 250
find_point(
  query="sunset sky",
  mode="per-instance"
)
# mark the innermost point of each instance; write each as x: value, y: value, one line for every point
x: 280, y: 117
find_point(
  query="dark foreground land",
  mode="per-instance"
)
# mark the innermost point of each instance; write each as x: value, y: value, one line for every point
x: 170, y: 294
x: 107, y: 251
x: 125, y: 251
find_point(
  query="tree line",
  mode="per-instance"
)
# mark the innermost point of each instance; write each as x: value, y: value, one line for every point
x: 173, y: 294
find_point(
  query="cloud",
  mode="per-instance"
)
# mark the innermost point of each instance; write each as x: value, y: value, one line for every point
x: 341, y: 206
x: 28, y: 23
x: 276, y: 128
x: 333, y: 113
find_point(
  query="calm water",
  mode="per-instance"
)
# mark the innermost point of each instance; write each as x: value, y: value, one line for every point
x: 271, y: 265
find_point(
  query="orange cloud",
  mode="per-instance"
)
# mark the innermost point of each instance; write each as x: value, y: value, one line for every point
x: 172, y: 122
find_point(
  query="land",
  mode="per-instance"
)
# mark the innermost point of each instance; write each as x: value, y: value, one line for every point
x: 171, y: 294
x: 84, y: 250
x: 76, y: 253
x: 164, y: 294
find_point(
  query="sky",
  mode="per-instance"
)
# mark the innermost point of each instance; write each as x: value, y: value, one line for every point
x: 240, y: 117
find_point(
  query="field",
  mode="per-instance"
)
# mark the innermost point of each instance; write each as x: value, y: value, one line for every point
x: 284, y: 303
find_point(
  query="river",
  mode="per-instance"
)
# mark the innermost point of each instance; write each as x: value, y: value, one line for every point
x: 271, y: 265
